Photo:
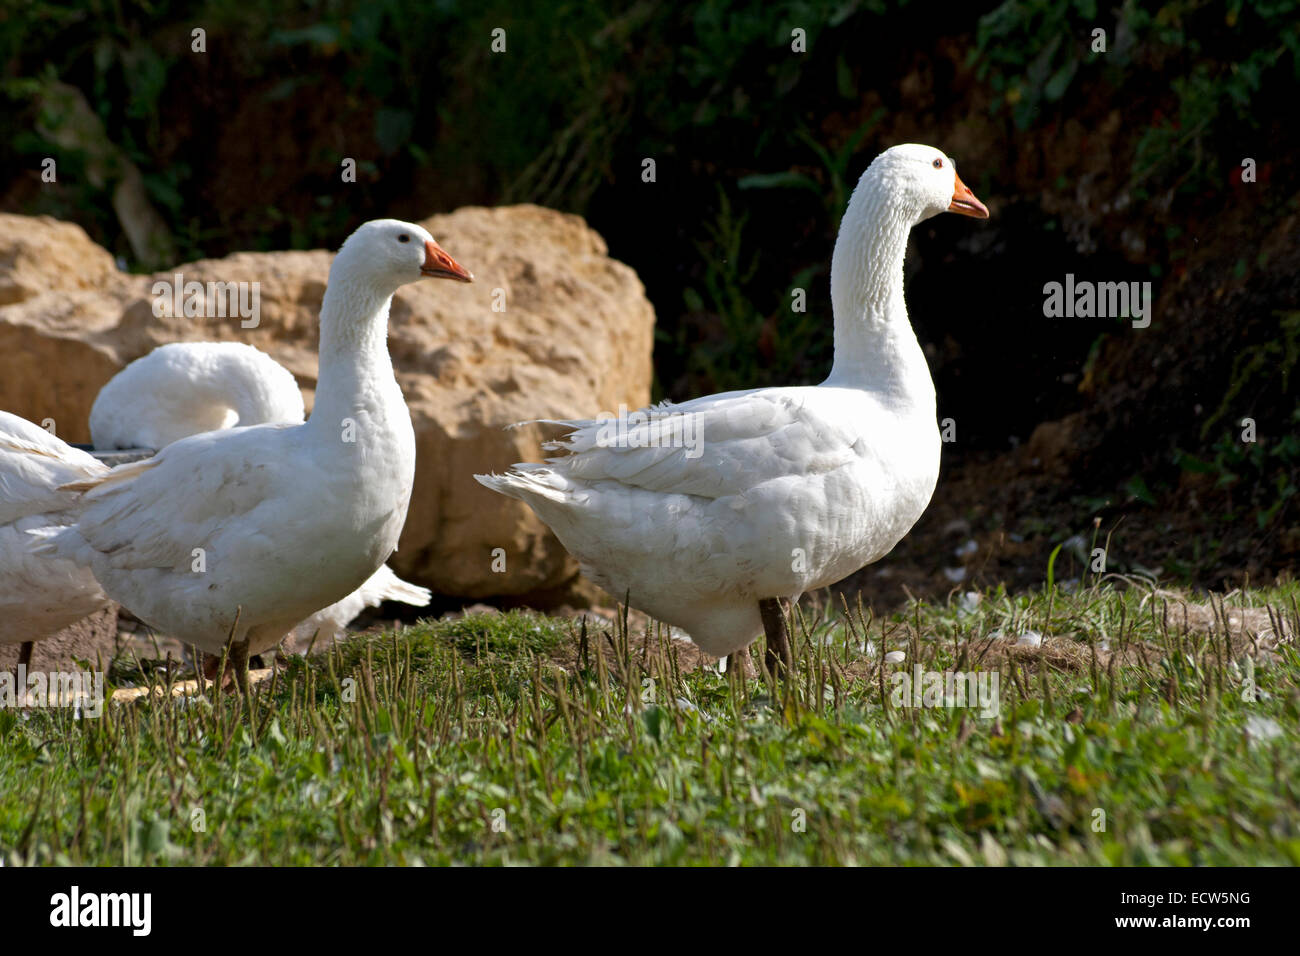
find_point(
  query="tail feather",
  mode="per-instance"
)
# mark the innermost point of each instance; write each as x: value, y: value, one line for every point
x: 407, y: 593
x: 527, y: 481
x: 385, y: 585
x: 113, y: 477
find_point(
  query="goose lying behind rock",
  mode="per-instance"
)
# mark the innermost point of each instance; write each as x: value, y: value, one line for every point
x: 186, y: 388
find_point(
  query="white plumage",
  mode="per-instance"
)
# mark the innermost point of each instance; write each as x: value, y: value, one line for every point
x: 697, y: 511
x: 38, y: 594
x: 328, y: 625
x: 186, y: 388
x: 244, y: 533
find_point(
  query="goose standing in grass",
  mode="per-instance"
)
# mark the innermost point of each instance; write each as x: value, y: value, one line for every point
x: 782, y: 490
x: 228, y: 539
x: 185, y: 388
x: 175, y: 391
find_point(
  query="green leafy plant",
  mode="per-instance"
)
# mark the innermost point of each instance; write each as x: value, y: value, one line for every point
x: 1032, y: 51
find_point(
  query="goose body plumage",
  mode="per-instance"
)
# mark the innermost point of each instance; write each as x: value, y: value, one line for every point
x: 695, y: 512
x: 787, y: 496
x: 224, y: 530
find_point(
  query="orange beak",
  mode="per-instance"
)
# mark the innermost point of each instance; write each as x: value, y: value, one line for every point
x: 439, y: 265
x: 964, y: 201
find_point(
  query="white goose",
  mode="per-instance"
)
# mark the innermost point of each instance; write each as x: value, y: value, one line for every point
x: 783, y: 490
x: 175, y: 391
x: 230, y: 538
x: 38, y: 594
x: 185, y: 388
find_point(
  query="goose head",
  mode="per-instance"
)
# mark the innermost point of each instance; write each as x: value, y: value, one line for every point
x: 390, y: 253
x: 923, y: 182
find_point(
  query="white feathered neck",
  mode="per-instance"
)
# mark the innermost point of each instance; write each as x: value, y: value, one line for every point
x: 875, y: 347
x: 356, y: 373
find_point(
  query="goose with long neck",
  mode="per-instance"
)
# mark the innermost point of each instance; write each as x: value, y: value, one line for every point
x: 708, y: 513
x: 185, y: 388
x: 230, y: 538
x: 177, y: 390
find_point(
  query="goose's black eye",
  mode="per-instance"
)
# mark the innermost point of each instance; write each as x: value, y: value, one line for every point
x: 403, y: 238
x: 938, y: 164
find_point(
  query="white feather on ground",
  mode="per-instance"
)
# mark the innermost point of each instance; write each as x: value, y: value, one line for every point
x: 325, y: 627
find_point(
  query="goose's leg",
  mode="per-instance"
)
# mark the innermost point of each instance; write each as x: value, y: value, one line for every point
x: 239, y: 664
x: 236, y: 654
x: 236, y: 671
x: 24, y: 662
x: 211, y: 667
x: 777, y: 656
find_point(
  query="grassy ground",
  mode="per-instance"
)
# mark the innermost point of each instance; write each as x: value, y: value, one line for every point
x: 1142, y: 731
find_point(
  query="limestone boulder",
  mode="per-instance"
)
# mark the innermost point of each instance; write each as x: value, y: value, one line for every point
x: 39, y: 254
x: 61, y: 295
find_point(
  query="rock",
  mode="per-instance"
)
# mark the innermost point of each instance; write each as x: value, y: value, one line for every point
x: 575, y: 338
x: 92, y: 639
x: 60, y: 294
x: 550, y: 328
x: 39, y: 254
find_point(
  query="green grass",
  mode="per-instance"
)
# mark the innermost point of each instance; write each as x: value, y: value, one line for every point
x: 515, y: 739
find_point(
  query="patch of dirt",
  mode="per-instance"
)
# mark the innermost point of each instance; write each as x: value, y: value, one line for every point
x: 92, y: 639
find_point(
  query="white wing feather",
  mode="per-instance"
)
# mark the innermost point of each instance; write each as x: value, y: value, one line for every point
x: 711, y: 447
